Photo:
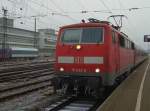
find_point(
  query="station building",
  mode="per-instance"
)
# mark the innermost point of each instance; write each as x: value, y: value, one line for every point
x: 15, y: 37
x: 44, y: 40
x: 47, y: 42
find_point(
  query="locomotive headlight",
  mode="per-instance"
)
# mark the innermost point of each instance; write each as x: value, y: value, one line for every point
x: 78, y: 47
x: 61, y: 69
x: 97, y: 70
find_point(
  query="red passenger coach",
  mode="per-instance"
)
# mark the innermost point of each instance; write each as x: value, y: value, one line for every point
x: 90, y: 56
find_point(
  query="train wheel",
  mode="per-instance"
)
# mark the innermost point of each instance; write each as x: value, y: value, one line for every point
x: 64, y: 89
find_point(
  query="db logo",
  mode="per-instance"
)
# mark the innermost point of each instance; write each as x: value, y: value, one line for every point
x: 78, y: 60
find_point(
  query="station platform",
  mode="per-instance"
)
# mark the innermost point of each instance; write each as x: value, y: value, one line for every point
x: 133, y: 94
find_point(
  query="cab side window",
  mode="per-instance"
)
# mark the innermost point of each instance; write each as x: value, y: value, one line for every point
x: 113, y: 37
x: 122, y: 41
x: 132, y: 45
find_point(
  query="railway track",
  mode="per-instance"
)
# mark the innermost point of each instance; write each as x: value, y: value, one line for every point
x: 25, y: 75
x: 38, y: 77
x: 10, y: 63
x: 73, y: 103
x: 29, y: 71
x: 13, y: 67
x: 14, y: 90
x: 24, y: 87
x: 21, y: 81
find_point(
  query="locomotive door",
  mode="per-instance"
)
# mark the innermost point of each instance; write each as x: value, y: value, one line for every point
x: 116, y: 51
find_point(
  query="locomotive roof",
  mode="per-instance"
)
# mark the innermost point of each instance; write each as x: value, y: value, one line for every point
x: 90, y: 24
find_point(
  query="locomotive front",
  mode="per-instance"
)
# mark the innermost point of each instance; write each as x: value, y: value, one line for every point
x: 81, y: 53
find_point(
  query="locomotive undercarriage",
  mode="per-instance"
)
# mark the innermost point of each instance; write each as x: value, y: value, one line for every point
x: 91, y: 86
x: 80, y: 86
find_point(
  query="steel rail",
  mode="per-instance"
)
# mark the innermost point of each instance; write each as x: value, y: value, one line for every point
x: 72, y: 103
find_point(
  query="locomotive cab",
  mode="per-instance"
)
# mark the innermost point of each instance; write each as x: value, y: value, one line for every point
x: 90, y: 56
x: 80, y: 48
x: 81, y: 57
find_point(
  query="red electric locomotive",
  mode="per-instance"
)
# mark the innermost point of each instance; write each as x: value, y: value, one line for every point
x: 91, y: 56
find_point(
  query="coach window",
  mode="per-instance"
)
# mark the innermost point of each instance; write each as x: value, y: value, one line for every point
x: 122, y: 41
x: 127, y: 43
x: 113, y: 37
x: 132, y: 45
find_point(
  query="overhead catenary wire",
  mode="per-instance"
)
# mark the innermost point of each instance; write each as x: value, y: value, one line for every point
x: 96, y: 11
x: 130, y: 26
x: 128, y: 21
x: 41, y: 5
x: 105, y: 6
x: 120, y: 9
x: 55, y: 13
x: 52, y: 12
x: 24, y: 17
x: 88, y: 11
x: 121, y: 5
x: 107, y: 11
x: 61, y: 10
x: 40, y: 15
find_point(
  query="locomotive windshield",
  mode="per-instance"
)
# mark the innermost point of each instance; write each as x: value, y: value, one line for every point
x: 82, y: 35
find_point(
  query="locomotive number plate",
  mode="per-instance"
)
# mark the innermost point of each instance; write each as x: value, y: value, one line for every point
x: 78, y: 60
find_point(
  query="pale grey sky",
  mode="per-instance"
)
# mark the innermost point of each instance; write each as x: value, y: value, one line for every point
x: 55, y: 13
